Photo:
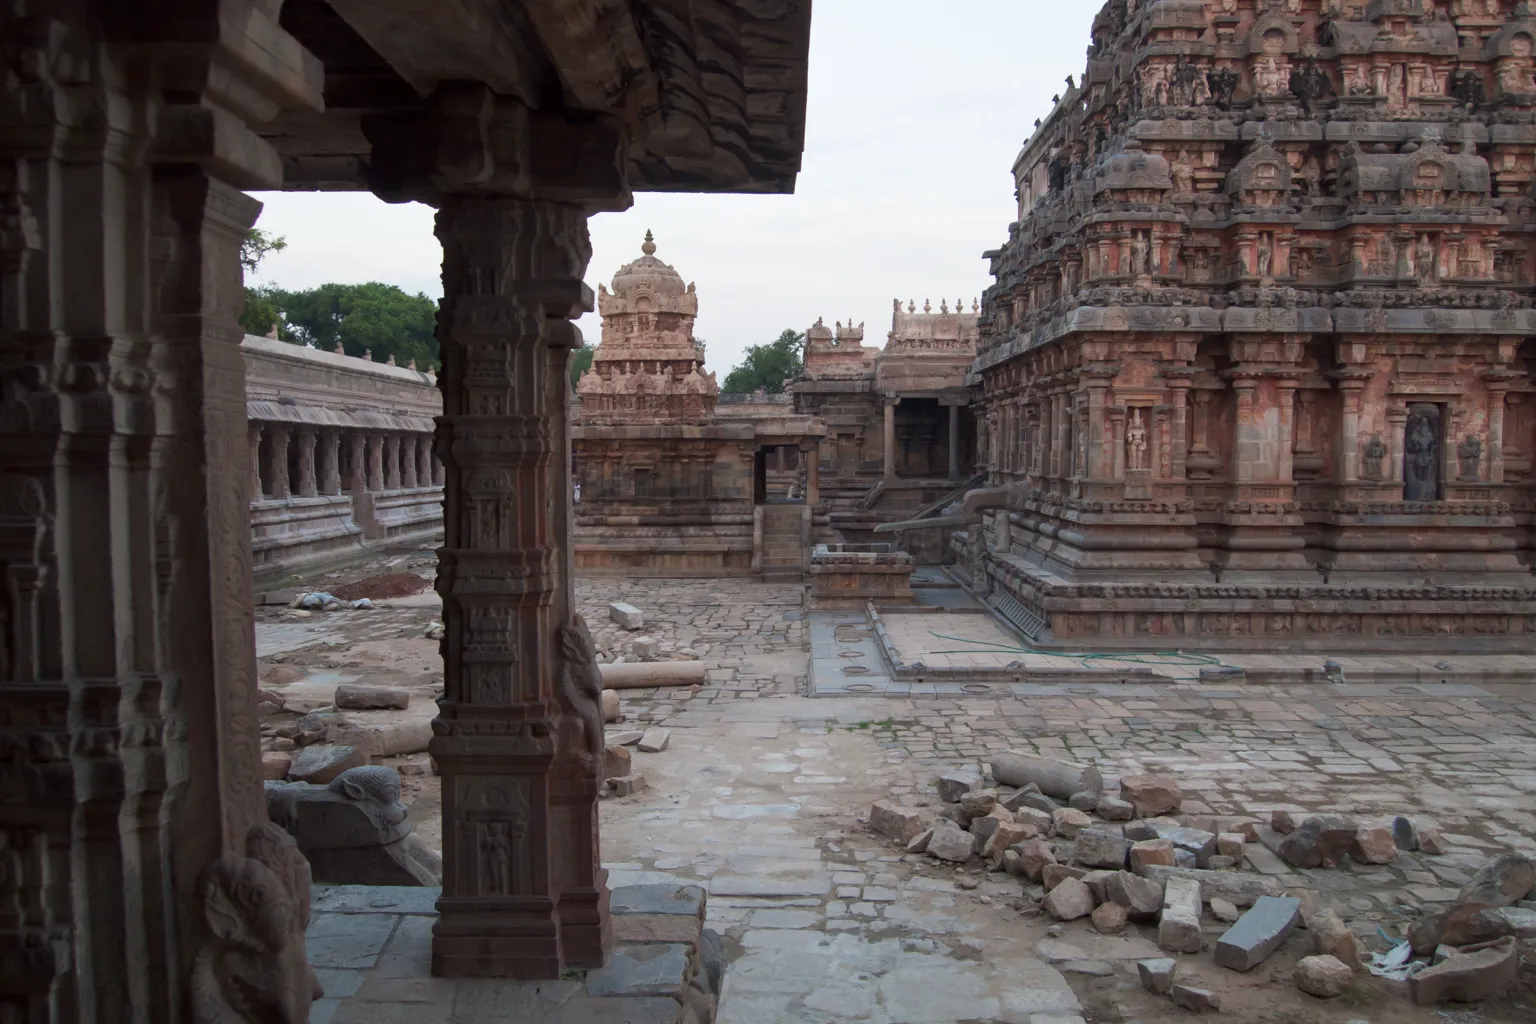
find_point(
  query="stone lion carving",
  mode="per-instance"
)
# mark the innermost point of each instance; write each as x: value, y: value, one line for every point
x: 252, y: 966
x: 355, y: 831
x: 581, y: 695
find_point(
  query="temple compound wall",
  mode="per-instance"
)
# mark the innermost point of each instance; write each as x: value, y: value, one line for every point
x: 901, y: 428
x: 1256, y: 367
x: 341, y: 454
x: 673, y: 482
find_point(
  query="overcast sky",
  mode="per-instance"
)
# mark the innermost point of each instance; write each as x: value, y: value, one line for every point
x: 917, y: 110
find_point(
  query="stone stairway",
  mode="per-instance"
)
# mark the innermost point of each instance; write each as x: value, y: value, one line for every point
x: 784, y: 556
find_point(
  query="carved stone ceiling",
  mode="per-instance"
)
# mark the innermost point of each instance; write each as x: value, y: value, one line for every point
x: 710, y: 94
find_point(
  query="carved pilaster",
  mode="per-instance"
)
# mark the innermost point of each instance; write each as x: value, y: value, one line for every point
x: 523, y: 892
x: 277, y: 461
x: 307, y: 485
x: 330, y: 450
x: 392, y: 461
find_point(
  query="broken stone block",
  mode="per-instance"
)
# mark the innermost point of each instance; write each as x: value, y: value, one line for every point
x: 1156, y: 975
x: 1240, y: 887
x: 950, y: 842
x: 956, y: 814
x: 919, y: 842
x: 1258, y: 933
x: 1500, y: 882
x: 1112, y: 808
x: 1225, y: 911
x: 626, y: 738
x: 1054, y: 874
x: 645, y: 649
x: 1041, y: 820
x: 1282, y: 822
x: 978, y: 801
x: 1142, y: 898
x: 321, y: 764
x: 616, y: 761
x: 626, y: 615
x: 1069, y: 900
x: 1197, y: 1000
x: 1433, y: 841
x: 1405, y: 833
x: 275, y: 766
x: 1331, y: 937
x: 1231, y: 844
x: 627, y: 784
x: 1522, y: 921
x: 1007, y: 834
x: 1068, y: 822
x: 1374, y: 846
x: 610, y: 705
x: 654, y: 741
x: 1323, y: 976
x: 1034, y: 856
x: 1150, y: 851
x: 1012, y: 862
x: 384, y: 739
x: 1469, y: 977
x: 367, y: 697
x: 1059, y: 779
x: 1178, y: 929
x: 1322, y: 840
x: 1109, y: 919
x: 1151, y: 795
x: 312, y: 728
x: 1473, y: 917
x: 354, y: 830
x: 892, y: 819
x: 986, y: 825
x: 1198, y: 843
x: 1098, y: 849
x: 954, y: 785
x: 1084, y: 801
x: 1216, y: 863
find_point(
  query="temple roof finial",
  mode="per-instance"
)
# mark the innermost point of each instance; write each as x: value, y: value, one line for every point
x: 649, y: 245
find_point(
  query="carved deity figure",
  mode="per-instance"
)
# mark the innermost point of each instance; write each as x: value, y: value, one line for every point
x: 1310, y: 84
x: 1141, y: 251
x: 1421, y: 453
x: 1222, y: 83
x: 1375, y: 455
x: 1136, y: 442
x: 1183, y: 174
x: 1266, y: 260
x: 1424, y: 261
x: 1514, y: 77
x: 1470, y: 454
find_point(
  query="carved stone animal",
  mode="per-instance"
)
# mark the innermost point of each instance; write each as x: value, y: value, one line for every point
x: 581, y: 692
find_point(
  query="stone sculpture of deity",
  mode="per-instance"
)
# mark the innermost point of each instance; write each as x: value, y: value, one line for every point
x: 1136, y: 442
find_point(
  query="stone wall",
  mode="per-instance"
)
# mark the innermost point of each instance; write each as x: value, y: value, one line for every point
x: 341, y: 454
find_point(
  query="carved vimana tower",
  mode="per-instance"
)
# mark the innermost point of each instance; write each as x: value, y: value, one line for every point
x: 1257, y: 362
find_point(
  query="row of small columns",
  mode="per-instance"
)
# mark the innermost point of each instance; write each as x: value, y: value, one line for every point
x: 890, y: 403
x: 381, y: 461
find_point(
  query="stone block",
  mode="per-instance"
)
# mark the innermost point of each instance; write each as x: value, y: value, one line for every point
x: 977, y: 802
x: 1196, y: 1000
x: 1055, y: 778
x: 1225, y: 911
x: 625, y: 785
x: 919, y: 842
x: 1112, y: 808
x: 1405, y: 833
x: 1157, y: 975
x: 658, y: 898
x: 1322, y: 840
x: 1332, y: 937
x: 648, y: 969
x: 1216, y: 863
x: 1238, y: 886
x: 626, y: 615
x: 1054, y: 874
x: 1258, y: 933
x: 1068, y: 822
x: 1178, y: 928
x: 617, y: 761
x: 625, y: 737
x: 1098, y: 849
x: 1433, y: 842
x: 275, y: 765
x: 1141, y: 897
x: 986, y: 825
x: 645, y: 649
x: 1069, y: 900
x: 654, y: 741
x: 1035, y: 855
x: 1231, y: 844
x: 1007, y: 834
x: 1282, y: 822
x: 611, y: 705
x: 954, y: 785
x: 950, y: 842
x: 1323, y: 976
x: 1151, y: 795
x: 1087, y: 800
x: 1042, y: 820
x: 368, y: 697
x: 321, y: 764
x: 1469, y: 977
x: 1109, y: 919
x: 1198, y: 843
x: 892, y: 819
x: 1150, y: 852
x: 1374, y: 846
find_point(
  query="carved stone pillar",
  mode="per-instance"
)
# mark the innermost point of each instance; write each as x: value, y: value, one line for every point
x: 277, y: 463
x: 330, y: 454
x: 408, y: 460
x: 253, y: 437
x: 307, y: 488
x: 519, y: 738
x: 375, y: 462
x: 1248, y: 456
x: 954, y: 442
x: 392, y: 461
x: 1350, y: 391
x: 357, y: 462
x: 424, y: 460
x: 438, y: 473
x: 1397, y: 416
x: 809, y: 453
x: 1285, y: 437
x: 1498, y: 390
x: 1179, y: 384
x: 890, y: 436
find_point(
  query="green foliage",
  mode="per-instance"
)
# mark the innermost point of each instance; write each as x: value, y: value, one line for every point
x: 767, y: 366
x: 256, y: 245
x: 581, y: 361
x: 362, y: 317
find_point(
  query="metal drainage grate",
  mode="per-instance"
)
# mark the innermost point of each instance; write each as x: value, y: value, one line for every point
x: 1016, y: 612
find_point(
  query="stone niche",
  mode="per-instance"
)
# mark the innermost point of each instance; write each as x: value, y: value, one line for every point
x: 355, y: 831
x: 847, y: 575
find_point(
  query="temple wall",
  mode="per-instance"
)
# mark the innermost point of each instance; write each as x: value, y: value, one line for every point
x: 341, y: 450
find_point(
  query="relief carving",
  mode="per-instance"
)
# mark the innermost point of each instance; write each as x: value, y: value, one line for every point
x: 581, y: 698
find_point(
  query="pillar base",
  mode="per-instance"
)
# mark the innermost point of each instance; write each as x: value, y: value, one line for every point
x: 586, y: 932
x: 485, y: 938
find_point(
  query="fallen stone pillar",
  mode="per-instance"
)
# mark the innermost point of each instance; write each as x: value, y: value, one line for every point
x: 655, y: 673
x: 1060, y: 779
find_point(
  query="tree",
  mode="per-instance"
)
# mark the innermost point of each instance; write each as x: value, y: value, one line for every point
x: 377, y: 318
x: 768, y: 366
x: 257, y: 245
x: 581, y: 361
x: 262, y: 312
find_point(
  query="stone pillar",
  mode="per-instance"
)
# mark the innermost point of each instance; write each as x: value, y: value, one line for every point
x: 519, y: 735
x: 1285, y: 402
x: 307, y: 488
x: 424, y: 460
x: 277, y: 463
x: 253, y: 436
x: 392, y: 461
x: 438, y: 472
x: 812, y: 459
x: 890, y: 437
x: 1397, y: 418
x: 330, y: 454
x: 375, y: 462
x: 1178, y: 396
x: 408, y: 460
x: 954, y: 442
x: 1497, y: 390
x: 1248, y: 451
x: 357, y: 457
x: 134, y: 833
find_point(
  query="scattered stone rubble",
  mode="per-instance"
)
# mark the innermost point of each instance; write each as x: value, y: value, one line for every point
x: 1045, y: 822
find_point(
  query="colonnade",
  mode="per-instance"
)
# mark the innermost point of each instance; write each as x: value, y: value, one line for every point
x: 336, y: 460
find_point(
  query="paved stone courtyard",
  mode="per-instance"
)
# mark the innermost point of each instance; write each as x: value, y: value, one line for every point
x: 760, y: 794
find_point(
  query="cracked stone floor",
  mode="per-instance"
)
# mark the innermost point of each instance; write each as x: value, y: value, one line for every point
x: 760, y: 793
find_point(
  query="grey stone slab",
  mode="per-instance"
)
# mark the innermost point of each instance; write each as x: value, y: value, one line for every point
x: 409, y: 953
x: 745, y: 885
x: 375, y: 899
x: 494, y: 1000
x: 324, y: 1011
x: 1258, y: 933
x: 641, y: 969
x: 628, y: 1010
x: 348, y: 940
x: 658, y: 899
x: 339, y: 984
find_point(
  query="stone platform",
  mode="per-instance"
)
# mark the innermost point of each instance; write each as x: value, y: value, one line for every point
x: 371, y: 947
